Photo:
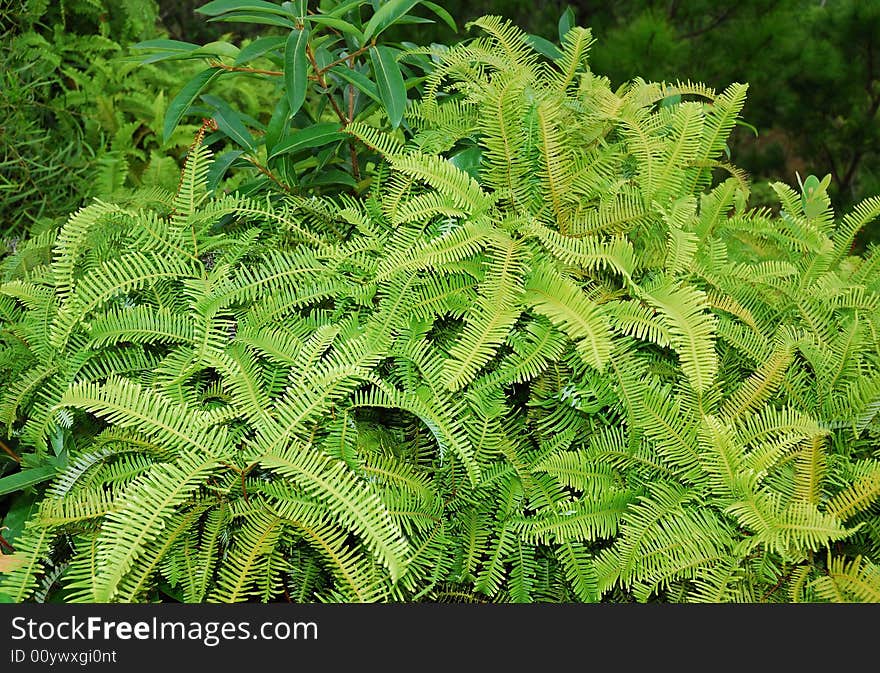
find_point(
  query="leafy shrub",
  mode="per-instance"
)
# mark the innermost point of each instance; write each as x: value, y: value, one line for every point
x: 80, y: 121
x: 813, y: 67
x: 327, y: 67
x: 61, y: 104
x: 552, y: 355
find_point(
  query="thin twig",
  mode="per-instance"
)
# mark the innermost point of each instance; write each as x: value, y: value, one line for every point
x: 350, y: 58
x: 269, y: 174
x: 12, y: 454
x: 323, y: 83
x: 254, y: 71
x: 773, y: 589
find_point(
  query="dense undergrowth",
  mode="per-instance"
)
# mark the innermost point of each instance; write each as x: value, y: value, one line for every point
x: 542, y: 350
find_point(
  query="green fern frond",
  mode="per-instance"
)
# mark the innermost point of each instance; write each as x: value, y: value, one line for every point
x: 550, y: 294
x: 856, y: 581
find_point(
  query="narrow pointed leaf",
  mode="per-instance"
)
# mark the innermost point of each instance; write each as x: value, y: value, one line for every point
x: 182, y: 101
x: 387, y: 15
x: 296, y: 69
x: 359, y: 81
x: 229, y: 122
x: 313, y: 136
x: 392, y: 88
x: 258, y: 48
x: 218, y: 7
x: 445, y: 16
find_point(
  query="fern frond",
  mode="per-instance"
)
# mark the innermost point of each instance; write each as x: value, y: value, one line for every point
x: 856, y: 581
x: 692, y: 328
x: 549, y: 293
x: 350, y: 500
x: 490, y: 318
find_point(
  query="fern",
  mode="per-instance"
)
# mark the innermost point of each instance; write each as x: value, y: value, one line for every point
x: 579, y: 369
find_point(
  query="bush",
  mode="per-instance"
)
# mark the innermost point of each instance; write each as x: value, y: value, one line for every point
x: 81, y: 121
x: 67, y: 108
x: 551, y: 355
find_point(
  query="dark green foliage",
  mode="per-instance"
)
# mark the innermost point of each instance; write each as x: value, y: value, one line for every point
x: 68, y: 113
x: 813, y: 68
x: 78, y: 120
x: 551, y: 355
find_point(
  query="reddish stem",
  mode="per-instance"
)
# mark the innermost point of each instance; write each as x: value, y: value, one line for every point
x: 12, y: 454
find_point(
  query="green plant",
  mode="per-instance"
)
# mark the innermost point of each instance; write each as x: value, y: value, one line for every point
x: 813, y: 67
x: 80, y: 122
x: 58, y: 97
x: 551, y: 355
x: 328, y: 68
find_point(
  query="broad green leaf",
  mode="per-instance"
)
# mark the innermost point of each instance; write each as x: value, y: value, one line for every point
x: 313, y: 136
x: 445, y: 16
x: 250, y: 17
x: 392, y: 88
x: 358, y: 80
x: 182, y: 101
x: 164, y: 50
x: 278, y: 123
x: 219, y: 167
x: 217, y: 7
x: 297, y: 7
x: 544, y: 46
x: 166, y: 45
x: 343, y: 26
x: 409, y: 19
x: 468, y: 160
x: 329, y: 176
x: 296, y: 69
x: 814, y: 195
x: 22, y: 505
x: 58, y: 439
x: 25, y: 478
x: 346, y: 7
x: 218, y: 48
x: 388, y: 13
x: 229, y: 122
x: 566, y: 22
x: 259, y: 47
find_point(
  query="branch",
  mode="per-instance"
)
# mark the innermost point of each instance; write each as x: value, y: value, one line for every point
x: 350, y: 58
x: 721, y: 18
x: 269, y: 174
x: 323, y: 84
x: 12, y: 454
x: 255, y: 71
x: 355, y: 168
